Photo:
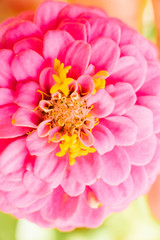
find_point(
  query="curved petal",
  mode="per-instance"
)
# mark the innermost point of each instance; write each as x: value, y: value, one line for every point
x: 39, y: 146
x: 35, y: 185
x: 143, y: 151
x: 54, y: 42
x: 6, y: 96
x: 103, y: 104
x: 86, y: 168
x: 46, y: 14
x: 86, y: 137
x: 143, y: 118
x: 27, y: 95
x: 115, y: 166
x: 71, y: 186
x: 123, y: 95
x: 59, y: 206
x: 105, y: 54
x: 6, y: 76
x: 25, y: 118
x: 86, y: 86
x: 46, y: 80
x: 113, y: 195
x: 153, y: 103
x: 13, y: 156
x: 20, y: 31
x: 6, y: 126
x: 103, y: 139
x: 49, y: 167
x: 77, y: 55
x: 123, y: 129
x: 43, y: 128
x: 33, y: 43
x: 23, y: 66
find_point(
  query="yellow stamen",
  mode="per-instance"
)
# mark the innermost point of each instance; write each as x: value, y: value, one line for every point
x: 99, y: 80
x: 60, y: 78
x: 13, y: 121
x: 74, y: 147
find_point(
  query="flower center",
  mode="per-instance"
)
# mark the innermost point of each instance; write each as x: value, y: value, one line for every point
x: 66, y: 117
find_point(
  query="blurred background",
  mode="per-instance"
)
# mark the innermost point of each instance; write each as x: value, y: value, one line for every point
x: 135, y: 223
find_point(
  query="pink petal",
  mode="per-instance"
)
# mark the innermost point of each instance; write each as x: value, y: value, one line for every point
x: 46, y: 80
x: 19, y: 32
x: 34, y: 44
x: 6, y: 96
x: 86, y: 137
x: 44, y: 128
x: 103, y: 139
x: 27, y: 15
x: 124, y: 97
x: 6, y: 126
x: 76, y: 30
x: 39, y: 146
x: 123, y: 129
x: 6, y: 185
x: 115, y: 166
x: 140, y: 181
x: 153, y: 167
x: 13, y: 157
x: 131, y: 59
x: 102, y: 102
x: 143, y: 118
x: 27, y: 95
x: 86, y: 168
x: 46, y: 14
x: 71, y: 186
x: 54, y: 42
x: 113, y: 195
x: 59, y: 206
x: 86, y: 86
x: 106, y: 28
x: 25, y: 118
x: 153, y: 103
x: 27, y: 65
x: 6, y: 76
x: 105, y: 54
x: 35, y: 185
x: 76, y: 55
x: 49, y: 167
x: 142, y: 152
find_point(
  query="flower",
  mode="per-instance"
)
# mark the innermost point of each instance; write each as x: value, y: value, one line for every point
x: 79, y: 115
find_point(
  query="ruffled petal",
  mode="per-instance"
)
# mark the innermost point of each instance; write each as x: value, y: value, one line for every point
x: 86, y: 169
x: 27, y: 65
x: 153, y: 103
x: 103, y: 139
x: 46, y: 14
x: 49, y: 167
x: 123, y: 95
x: 39, y: 146
x: 27, y: 95
x: 59, y: 206
x: 6, y: 96
x: 34, y: 44
x: 6, y: 76
x: 13, y: 157
x: 143, y: 151
x: 71, y: 186
x: 123, y: 129
x: 115, y: 166
x: 6, y: 126
x: 54, y: 42
x: 113, y: 195
x: 77, y: 55
x: 143, y: 118
x: 86, y: 86
x: 25, y: 118
x: 104, y: 60
x: 103, y: 104
x: 20, y: 31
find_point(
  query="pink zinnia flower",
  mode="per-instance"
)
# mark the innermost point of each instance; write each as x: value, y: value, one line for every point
x: 79, y: 114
